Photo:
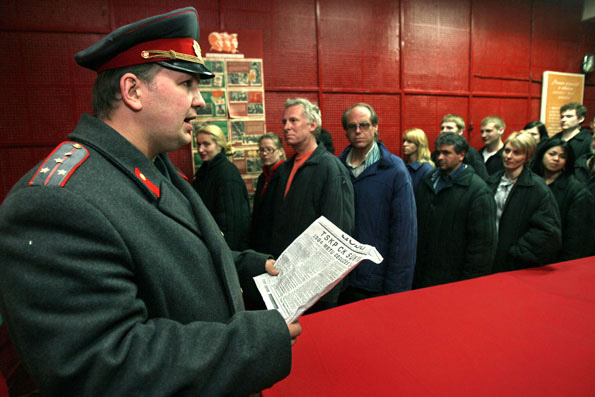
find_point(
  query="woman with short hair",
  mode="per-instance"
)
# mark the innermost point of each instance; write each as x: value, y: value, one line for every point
x: 527, y: 214
x: 221, y: 187
x: 555, y: 163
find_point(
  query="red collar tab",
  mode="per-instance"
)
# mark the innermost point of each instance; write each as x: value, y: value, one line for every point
x: 181, y: 48
x: 147, y: 182
x: 181, y: 174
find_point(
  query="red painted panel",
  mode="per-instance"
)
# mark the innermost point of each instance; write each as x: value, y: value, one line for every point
x: 536, y: 86
x: 381, y: 73
x: 291, y: 69
x: 15, y: 116
x: 495, y: 85
x: 501, y: 38
x: 82, y: 101
x: 58, y: 15
x: 16, y: 162
x: 590, y: 93
x: 47, y: 56
x: 353, y: 36
x: 53, y: 111
x: 11, y: 49
x: 252, y: 5
x: 208, y: 18
x: 342, y: 71
x: 452, y: 13
x: 558, y: 20
x: 436, y: 45
x: 558, y: 33
x: 290, y: 57
x: 127, y: 11
x: 535, y: 110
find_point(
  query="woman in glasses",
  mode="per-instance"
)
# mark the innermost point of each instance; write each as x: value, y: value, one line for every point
x: 270, y: 150
x: 221, y: 187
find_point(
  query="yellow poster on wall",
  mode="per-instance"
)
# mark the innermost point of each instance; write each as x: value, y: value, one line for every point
x: 559, y: 89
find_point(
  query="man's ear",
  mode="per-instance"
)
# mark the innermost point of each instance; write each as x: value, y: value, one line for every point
x: 313, y: 126
x: 130, y: 90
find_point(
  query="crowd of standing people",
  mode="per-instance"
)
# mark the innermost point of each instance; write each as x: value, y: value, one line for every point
x: 438, y: 216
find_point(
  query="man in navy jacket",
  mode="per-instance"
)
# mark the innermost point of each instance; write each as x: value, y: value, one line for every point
x: 384, y: 208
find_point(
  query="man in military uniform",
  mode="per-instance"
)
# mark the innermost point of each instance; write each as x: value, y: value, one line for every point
x: 115, y: 278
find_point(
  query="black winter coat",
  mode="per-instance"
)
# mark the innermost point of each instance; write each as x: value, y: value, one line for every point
x: 494, y: 163
x: 456, y: 230
x: 529, y: 232
x: 262, y: 213
x: 321, y: 186
x: 582, y: 172
x: 581, y: 143
x: 577, y: 213
x: 222, y: 189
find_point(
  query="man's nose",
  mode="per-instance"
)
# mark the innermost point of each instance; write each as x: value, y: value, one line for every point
x: 197, y: 100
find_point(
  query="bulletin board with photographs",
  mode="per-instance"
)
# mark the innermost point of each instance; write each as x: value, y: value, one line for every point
x: 244, y: 73
x: 215, y: 104
x: 218, y: 68
x: 235, y: 102
x: 245, y: 103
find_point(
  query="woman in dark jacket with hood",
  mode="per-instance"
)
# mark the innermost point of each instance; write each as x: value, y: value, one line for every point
x: 555, y: 163
x: 528, y: 218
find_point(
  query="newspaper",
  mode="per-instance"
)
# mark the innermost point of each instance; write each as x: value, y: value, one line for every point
x: 310, y: 267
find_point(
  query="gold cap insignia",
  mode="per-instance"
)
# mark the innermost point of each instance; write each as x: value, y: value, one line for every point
x: 197, y: 49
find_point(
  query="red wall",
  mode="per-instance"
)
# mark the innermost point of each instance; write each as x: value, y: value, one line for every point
x: 413, y: 60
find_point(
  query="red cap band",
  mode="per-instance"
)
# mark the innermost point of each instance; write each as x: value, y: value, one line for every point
x: 133, y: 56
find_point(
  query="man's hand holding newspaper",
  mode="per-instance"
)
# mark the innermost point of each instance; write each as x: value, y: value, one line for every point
x: 310, y: 267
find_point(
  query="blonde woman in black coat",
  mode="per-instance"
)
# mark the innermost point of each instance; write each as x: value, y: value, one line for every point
x: 221, y: 187
x: 529, y: 231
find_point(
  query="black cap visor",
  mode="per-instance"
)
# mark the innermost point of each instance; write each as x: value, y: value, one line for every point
x: 188, y: 67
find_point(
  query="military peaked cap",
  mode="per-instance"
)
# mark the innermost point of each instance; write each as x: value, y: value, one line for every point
x: 171, y: 40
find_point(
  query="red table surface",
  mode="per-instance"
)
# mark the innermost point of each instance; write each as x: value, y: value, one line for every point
x: 527, y: 333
